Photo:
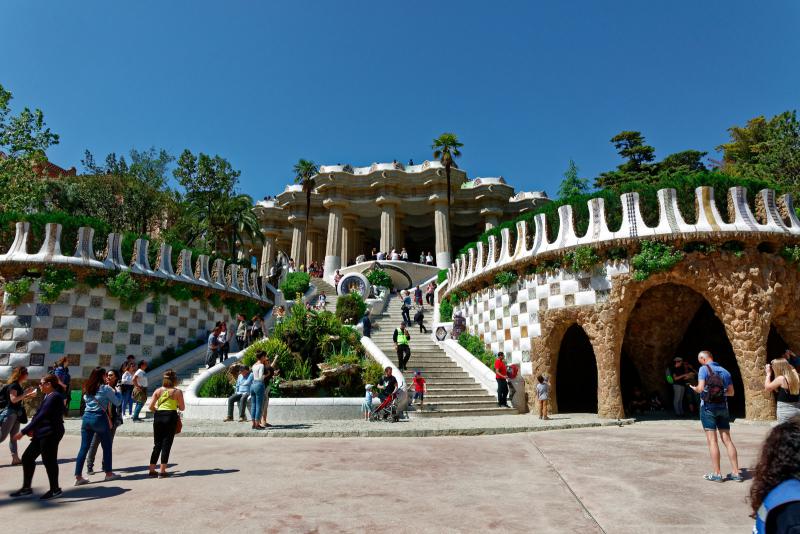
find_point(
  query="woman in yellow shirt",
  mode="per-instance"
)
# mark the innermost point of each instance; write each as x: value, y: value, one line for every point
x: 166, y: 402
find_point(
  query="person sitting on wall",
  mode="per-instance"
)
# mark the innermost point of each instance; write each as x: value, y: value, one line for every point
x: 213, y: 347
x: 241, y: 394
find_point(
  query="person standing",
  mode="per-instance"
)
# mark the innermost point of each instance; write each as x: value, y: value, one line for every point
x: 45, y: 430
x: 367, y: 324
x: 782, y: 379
x: 241, y: 394
x: 140, y: 383
x: 269, y: 372
x: 714, y: 385
x: 241, y: 332
x: 257, y: 389
x: 420, y: 389
x: 224, y: 342
x: 680, y: 379
x: 213, y: 347
x: 115, y: 416
x: 12, y: 415
x: 501, y: 375
x: 126, y: 387
x: 543, y: 396
x: 405, y: 308
x: 97, y: 397
x: 429, y: 293
x: 429, y: 258
x: 419, y: 318
x: 166, y: 402
x: 401, y: 337
x: 775, y: 492
x: 418, y: 296
x: 61, y: 371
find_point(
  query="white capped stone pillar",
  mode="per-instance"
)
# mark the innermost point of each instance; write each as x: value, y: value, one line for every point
x: 333, y: 245
x: 491, y: 217
x: 298, y: 250
x: 348, y: 239
x: 388, y: 223
x: 268, y: 252
x: 442, y: 229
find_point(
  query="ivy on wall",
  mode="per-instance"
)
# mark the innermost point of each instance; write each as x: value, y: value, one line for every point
x: 654, y: 257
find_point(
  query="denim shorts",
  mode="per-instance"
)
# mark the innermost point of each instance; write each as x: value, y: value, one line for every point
x: 715, y: 418
x: 419, y: 395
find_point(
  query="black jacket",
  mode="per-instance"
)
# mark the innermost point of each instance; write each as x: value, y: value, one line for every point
x: 49, y: 418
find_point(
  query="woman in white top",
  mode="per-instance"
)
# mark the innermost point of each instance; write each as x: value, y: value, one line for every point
x: 139, y: 389
x: 258, y: 389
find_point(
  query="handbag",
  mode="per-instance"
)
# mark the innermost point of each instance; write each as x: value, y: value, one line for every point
x: 139, y: 394
x: 179, y: 425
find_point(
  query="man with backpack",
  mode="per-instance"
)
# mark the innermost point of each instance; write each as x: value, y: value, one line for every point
x: 714, y: 385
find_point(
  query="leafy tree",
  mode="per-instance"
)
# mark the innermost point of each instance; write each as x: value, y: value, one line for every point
x: 765, y: 149
x: 304, y: 173
x: 630, y: 145
x: 686, y: 161
x: 209, y: 181
x: 572, y: 185
x: 446, y: 148
x: 241, y: 222
x: 24, y: 139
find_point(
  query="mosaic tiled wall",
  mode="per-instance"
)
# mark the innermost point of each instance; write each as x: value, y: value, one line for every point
x: 92, y: 329
x: 508, y: 318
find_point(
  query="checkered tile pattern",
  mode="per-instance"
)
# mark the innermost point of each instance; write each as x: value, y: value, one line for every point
x: 507, y: 319
x: 92, y: 329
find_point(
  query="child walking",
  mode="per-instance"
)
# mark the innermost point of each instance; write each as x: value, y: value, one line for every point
x: 420, y: 389
x: 367, y: 401
x: 543, y: 394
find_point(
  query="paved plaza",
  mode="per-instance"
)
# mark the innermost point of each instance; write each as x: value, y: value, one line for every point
x: 645, y: 477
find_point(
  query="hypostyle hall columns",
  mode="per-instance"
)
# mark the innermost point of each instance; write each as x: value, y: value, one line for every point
x: 442, y: 228
x: 268, y: 252
x: 298, y: 250
x: 348, y: 239
x: 333, y: 245
x: 491, y: 216
x: 388, y: 222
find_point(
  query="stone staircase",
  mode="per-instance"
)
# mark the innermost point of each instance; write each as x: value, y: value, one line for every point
x: 451, y: 391
x: 330, y: 293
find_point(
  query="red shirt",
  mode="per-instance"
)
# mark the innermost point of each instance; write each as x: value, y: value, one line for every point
x: 499, y: 368
x: 419, y: 384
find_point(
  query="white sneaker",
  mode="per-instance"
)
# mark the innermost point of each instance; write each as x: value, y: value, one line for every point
x: 81, y: 481
x: 112, y: 476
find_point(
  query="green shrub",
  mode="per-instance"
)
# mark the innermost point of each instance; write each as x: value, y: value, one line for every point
x: 582, y: 259
x: 217, y: 386
x: 180, y: 292
x: 343, y: 358
x: 350, y: 308
x: 371, y: 371
x: 475, y: 346
x: 791, y: 253
x: 654, y: 257
x: 17, y: 289
x: 295, y: 283
x: 54, y: 281
x: 441, y: 276
x: 617, y: 253
x: 380, y: 278
x: 272, y: 346
x: 445, y: 310
x: 504, y: 279
x: 126, y: 289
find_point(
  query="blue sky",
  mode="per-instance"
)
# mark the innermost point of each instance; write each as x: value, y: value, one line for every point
x: 525, y: 85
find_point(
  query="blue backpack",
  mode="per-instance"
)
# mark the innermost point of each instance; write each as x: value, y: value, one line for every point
x: 785, y: 492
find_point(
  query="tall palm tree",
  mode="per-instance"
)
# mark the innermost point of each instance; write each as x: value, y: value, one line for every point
x: 241, y: 222
x: 304, y: 172
x: 445, y: 149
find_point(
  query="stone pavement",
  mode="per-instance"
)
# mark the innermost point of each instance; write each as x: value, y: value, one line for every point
x: 639, y: 478
x: 415, y: 427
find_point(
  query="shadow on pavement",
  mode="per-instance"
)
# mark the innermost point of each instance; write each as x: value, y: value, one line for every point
x: 204, y: 472
x: 72, y: 495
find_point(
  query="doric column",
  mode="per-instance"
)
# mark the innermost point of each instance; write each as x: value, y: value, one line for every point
x: 442, y: 229
x: 348, y: 239
x: 268, y: 252
x: 333, y: 245
x: 388, y: 222
x: 491, y: 217
x: 312, y: 246
x: 298, y: 250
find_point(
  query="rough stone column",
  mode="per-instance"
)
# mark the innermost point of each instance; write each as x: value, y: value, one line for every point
x: 333, y: 245
x: 388, y: 223
x: 491, y: 217
x: 748, y: 334
x: 298, y: 250
x: 442, y: 228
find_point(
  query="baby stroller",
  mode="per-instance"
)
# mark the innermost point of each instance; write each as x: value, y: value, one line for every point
x: 387, y: 409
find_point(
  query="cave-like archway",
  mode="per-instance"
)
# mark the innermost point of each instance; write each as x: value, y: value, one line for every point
x: 576, y: 373
x: 673, y: 320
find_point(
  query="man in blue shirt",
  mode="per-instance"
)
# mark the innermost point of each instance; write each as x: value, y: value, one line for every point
x: 241, y: 395
x: 714, y: 385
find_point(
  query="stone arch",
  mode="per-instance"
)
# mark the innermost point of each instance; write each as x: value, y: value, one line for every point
x: 576, y: 373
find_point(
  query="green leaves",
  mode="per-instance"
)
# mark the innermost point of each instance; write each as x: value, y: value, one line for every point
x: 379, y: 277
x: 582, y: 258
x: 506, y: 278
x: 126, y: 289
x: 475, y: 346
x: 572, y: 185
x: 54, y: 281
x: 350, y: 308
x: 17, y: 289
x: 441, y: 276
x: 295, y: 283
x: 654, y: 257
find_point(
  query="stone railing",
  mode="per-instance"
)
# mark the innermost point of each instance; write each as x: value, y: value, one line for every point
x: 776, y: 221
x: 230, y: 278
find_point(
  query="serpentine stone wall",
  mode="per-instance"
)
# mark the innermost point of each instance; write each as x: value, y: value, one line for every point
x: 749, y: 290
x: 90, y: 326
